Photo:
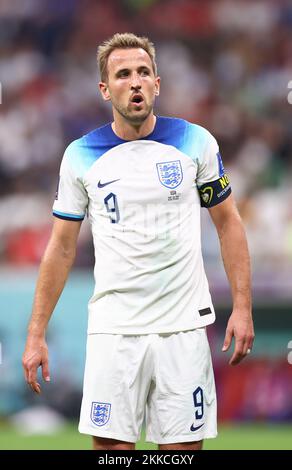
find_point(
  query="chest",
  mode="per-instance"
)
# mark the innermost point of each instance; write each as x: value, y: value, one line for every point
x: 143, y: 173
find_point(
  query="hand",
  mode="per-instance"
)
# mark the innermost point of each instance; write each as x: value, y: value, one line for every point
x: 240, y: 325
x: 34, y: 356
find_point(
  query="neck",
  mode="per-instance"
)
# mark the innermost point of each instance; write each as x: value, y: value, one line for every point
x: 129, y: 131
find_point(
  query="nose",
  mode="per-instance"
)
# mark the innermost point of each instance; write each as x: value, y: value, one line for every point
x: 135, y: 81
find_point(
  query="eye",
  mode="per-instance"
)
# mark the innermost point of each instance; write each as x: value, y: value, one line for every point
x: 145, y: 72
x: 123, y: 74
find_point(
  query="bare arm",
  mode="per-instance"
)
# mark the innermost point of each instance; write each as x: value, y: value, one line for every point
x: 236, y: 261
x: 54, y: 269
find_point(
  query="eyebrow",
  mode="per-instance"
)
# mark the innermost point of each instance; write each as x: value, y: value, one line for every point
x: 141, y: 67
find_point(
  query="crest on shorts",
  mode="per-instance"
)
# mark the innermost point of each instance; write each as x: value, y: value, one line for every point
x: 170, y: 173
x: 100, y: 413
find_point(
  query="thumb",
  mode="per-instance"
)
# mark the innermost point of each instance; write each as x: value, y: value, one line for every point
x: 227, y: 340
x: 45, y: 371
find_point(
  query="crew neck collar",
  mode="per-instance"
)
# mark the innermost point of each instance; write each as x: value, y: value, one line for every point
x: 146, y: 137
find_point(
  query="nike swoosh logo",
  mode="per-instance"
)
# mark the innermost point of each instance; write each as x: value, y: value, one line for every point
x: 102, y: 185
x: 196, y: 428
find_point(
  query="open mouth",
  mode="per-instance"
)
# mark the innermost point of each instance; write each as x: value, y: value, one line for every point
x: 137, y: 99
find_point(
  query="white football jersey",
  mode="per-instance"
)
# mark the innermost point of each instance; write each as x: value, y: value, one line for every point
x: 143, y: 199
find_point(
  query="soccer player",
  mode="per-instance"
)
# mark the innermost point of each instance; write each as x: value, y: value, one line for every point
x: 142, y: 180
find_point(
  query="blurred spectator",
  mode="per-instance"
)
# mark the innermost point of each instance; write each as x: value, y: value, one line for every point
x: 224, y: 65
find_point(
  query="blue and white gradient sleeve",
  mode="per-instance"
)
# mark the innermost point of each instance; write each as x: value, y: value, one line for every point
x: 71, y: 197
x: 212, y: 181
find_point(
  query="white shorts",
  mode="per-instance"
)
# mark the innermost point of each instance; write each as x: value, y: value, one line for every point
x: 166, y: 379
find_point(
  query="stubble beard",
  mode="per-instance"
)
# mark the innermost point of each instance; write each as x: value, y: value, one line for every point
x: 133, y: 116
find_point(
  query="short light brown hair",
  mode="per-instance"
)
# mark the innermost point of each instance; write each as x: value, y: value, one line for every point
x: 123, y: 41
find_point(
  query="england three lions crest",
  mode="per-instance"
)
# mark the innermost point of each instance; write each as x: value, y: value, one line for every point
x: 170, y: 173
x: 100, y: 413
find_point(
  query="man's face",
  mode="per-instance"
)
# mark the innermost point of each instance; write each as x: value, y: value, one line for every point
x: 131, y: 85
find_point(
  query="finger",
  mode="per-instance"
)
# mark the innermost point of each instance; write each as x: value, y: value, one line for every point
x: 32, y: 380
x: 25, y: 368
x: 32, y: 374
x: 250, y: 342
x: 45, y: 371
x: 239, y: 353
x: 25, y: 372
x: 248, y: 345
x: 247, y: 350
x: 227, y: 340
x: 236, y: 358
x: 35, y: 386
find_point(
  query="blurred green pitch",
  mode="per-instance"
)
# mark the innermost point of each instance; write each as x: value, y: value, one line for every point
x: 244, y: 436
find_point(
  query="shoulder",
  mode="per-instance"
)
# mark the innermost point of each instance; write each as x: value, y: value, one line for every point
x: 73, y: 149
x: 182, y: 124
x: 83, y: 152
x: 200, y: 133
x: 192, y: 139
x: 74, y: 155
x: 87, y: 142
x: 202, y: 142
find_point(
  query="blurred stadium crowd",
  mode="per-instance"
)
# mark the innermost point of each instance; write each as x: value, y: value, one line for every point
x: 224, y: 65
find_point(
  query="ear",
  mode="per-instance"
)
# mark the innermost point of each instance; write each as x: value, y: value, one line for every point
x: 103, y: 88
x: 157, y: 86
